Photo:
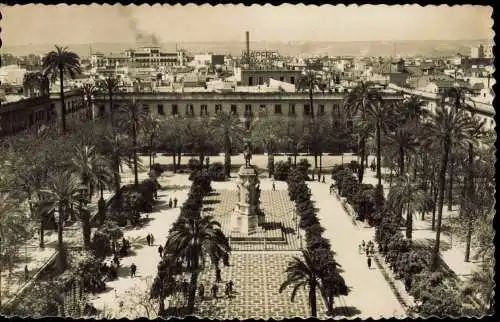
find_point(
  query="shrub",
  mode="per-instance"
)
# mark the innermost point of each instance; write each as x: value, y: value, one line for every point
x: 194, y: 164
x: 336, y: 169
x: 363, y: 204
x: 216, y: 171
x: 281, y: 170
x: 90, y: 274
x: 349, y: 187
x: 354, y: 166
x: 303, y: 167
x: 201, y: 180
x: 101, y: 241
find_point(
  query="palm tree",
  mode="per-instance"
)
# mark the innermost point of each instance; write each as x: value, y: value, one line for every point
x: 89, y: 91
x: 405, y: 141
x: 356, y: 104
x: 131, y: 119
x: 408, y: 196
x: 448, y: 126
x: 110, y: 86
x: 378, y: 112
x: 64, y: 193
x: 164, y: 283
x: 151, y: 130
x: 58, y: 63
x: 191, y: 239
x: 303, y: 273
x: 228, y: 127
x: 308, y: 82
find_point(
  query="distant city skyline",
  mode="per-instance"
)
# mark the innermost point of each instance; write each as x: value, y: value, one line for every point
x: 66, y: 25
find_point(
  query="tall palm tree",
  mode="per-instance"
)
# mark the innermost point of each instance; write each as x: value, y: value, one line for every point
x: 448, y: 126
x: 408, y: 196
x: 191, y: 239
x: 378, y: 112
x: 130, y: 120
x: 356, y: 104
x: 229, y: 128
x: 110, y: 86
x: 57, y: 64
x: 303, y: 273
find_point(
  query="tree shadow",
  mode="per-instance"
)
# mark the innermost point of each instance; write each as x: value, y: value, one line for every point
x: 209, y: 209
x: 210, y: 201
x: 213, y: 193
x: 346, y: 311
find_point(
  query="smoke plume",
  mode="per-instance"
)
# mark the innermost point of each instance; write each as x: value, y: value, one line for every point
x: 141, y: 37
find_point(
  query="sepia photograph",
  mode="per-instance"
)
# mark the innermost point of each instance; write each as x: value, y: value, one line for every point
x: 247, y: 162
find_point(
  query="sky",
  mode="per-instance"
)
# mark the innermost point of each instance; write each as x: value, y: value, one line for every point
x: 84, y: 24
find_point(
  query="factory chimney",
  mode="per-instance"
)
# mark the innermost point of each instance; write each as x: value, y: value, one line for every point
x: 248, y: 46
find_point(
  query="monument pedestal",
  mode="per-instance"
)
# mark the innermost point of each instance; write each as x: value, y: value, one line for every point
x: 247, y: 216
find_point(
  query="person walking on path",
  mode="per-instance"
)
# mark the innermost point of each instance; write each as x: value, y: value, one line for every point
x: 201, y: 291
x: 217, y: 275
x: 215, y: 288
x: 26, y: 273
x: 369, y: 262
x: 228, y: 291
x: 230, y: 284
x: 133, y: 270
x: 170, y: 203
x: 274, y: 186
x: 148, y: 239
x: 175, y: 202
x: 152, y: 239
x: 323, y: 179
x: 160, y: 250
x: 331, y: 188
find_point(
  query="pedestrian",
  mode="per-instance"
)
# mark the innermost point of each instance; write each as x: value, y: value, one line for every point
x: 170, y: 203
x: 148, y: 239
x: 367, y: 249
x: 331, y: 188
x: 218, y: 277
x: 201, y: 291
x: 230, y: 284
x: 133, y: 270
x: 369, y: 261
x: 116, y: 260
x: 215, y: 288
x: 26, y: 273
x: 228, y: 291
x: 274, y: 186
x: 324, y: 179
x: 175, y: 202
x: 152, y: 240
x: 160, y: 250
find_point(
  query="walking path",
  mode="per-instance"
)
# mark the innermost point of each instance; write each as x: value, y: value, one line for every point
x: 128, y: 297
x: 370, y: 292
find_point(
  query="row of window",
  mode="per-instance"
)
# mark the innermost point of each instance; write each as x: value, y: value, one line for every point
x: 278, y: 110
x: 261, y: 80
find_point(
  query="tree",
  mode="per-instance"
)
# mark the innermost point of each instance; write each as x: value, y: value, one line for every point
x: 267, y: 131
x: 35, y: 83
x: 227, y: 127
x: 130, y: 120
x: 405, y: 141
x: 406, y: 195
x: 151, y: 130
x: 173, y: 138
x: 110, y: 86
x: 57, y: 64
x: 356, y: 105
x: 303, y: 273
x: 88, y: 92
x: 448, y: 126
x: 191, y: 239
x: 200, y: 136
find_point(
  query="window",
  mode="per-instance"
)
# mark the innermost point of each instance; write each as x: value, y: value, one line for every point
x: 282, y: 78
x: 292, y: 80
x: 336, y: 109
x: 218, y: 108
x: 277, y: 109
x: 291, y: 109
x: 160, y: 109
x: 175, y: 110
x: 250, y: 81
x: 321, y: 109
x: 248, y: 108
x: 261, y: 80
x: 234, y: 109
x: 307, y: 109
x: 191, y: 109
x: 102, y: 110
x: 262, y: 106
x: 204, y: 110
x: 145, y: 108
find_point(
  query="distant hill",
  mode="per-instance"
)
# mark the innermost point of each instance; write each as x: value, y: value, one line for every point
x: 431, y: 48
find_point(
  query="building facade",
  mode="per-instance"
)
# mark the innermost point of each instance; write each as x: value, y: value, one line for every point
x: 253, y: 77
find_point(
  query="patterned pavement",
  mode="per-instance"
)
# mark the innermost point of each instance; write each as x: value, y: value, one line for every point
x: 279, y: 214
x: 257, y: 277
